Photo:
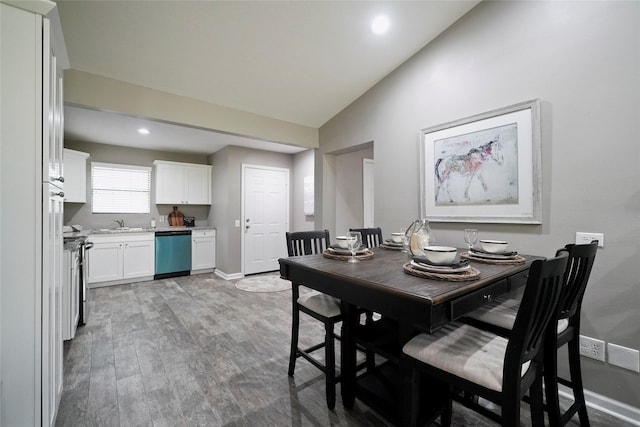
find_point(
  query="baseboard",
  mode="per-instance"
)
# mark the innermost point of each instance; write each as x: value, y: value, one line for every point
x: 228, y: 276
x: 203, y: 271
x: 620, y: 410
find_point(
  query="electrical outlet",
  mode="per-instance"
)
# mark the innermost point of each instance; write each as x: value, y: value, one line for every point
x: 583, y: 238
x: 623, y: 357
x: 162, y: 218
x: 592, y: 348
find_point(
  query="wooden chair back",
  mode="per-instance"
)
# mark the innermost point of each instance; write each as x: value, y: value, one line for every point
x: 371, y: 237
x: 538, y: 306
x: 307, y: 242
x: 581, y: 258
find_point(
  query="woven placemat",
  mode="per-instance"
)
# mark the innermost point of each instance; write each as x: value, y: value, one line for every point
x: 393, y: 247
x: 469, y: 274
x: 515, y: 261
x: 368, y: 253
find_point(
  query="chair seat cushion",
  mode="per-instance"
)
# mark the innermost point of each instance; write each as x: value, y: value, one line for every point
x: 464, y: 351
x: 501, y: 312
x: 320, y: 303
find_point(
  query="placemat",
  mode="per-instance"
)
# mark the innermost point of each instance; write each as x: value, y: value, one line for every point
x: 365, y: 255
x: 517, y: 260
x: 469, y: 274
x: 392, y: 247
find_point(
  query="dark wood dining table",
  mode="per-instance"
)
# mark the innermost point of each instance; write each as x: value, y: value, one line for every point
x: 412, y: 303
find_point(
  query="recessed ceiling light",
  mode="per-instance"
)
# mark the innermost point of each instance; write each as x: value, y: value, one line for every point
x: 143, y: 131
x: 380, y: 24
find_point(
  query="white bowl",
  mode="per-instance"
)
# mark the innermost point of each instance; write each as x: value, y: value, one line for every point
x: 440, y: 254
x: 342, y: 241
x: 397, y: 237
x: 494, y: 246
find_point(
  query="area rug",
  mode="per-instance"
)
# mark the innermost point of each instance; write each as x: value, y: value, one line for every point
x: 269, y: 283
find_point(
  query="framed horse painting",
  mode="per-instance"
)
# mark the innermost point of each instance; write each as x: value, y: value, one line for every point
x: 484, y: 168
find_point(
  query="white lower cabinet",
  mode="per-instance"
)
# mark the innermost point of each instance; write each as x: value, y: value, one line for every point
x: 203, y: 250
x: 120, y: 258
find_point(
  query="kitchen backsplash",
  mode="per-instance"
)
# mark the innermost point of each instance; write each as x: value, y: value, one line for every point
x: 75, y: 213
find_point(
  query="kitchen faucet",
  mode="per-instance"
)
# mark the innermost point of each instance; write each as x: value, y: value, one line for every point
x: 120, y: 222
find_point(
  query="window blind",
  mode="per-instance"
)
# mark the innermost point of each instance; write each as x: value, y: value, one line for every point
x: 120, y: 188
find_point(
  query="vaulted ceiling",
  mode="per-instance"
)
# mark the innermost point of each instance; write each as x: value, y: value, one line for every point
x: 297, y: 61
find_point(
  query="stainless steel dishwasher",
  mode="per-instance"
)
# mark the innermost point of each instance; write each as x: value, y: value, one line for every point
x: 173, y: 253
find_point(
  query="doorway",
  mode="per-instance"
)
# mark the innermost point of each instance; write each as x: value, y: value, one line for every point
x: 265, y: 217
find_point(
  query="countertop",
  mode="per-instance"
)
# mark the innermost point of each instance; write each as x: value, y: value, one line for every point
x: 86, y: 232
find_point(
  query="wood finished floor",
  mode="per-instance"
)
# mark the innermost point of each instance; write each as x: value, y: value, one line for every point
x: 196, y: 351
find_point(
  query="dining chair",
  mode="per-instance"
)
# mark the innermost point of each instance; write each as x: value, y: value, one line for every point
x: 481, y: 363
x: 320, y: 306
x: 371, y: 237
x: 500, y: 314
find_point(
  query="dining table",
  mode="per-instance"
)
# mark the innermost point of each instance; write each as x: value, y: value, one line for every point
x: 406, y: 301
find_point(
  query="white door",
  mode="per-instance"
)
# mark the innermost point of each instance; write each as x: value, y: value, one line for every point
x: 367, y: 193
x: 266, y: 217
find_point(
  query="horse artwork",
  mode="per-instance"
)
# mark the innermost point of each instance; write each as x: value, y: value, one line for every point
x: 477, y: 168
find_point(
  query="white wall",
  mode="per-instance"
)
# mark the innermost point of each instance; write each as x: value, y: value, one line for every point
x: 302, y: 167
x: 582, y: 59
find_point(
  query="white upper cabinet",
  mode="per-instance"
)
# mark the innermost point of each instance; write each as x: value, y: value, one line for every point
x: 182, y: 183
x: 75, y: 176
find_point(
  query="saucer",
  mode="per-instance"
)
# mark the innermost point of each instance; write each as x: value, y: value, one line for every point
x: 439, y: 268
x: 500, y: 255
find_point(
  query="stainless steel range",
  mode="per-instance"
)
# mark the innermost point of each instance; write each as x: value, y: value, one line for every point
x: 83, y: 282
x: 77, y: 244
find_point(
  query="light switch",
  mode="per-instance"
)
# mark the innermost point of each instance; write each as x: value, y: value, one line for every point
x: 237, y: 223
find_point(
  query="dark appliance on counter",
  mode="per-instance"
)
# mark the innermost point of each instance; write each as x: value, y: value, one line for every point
x: 189, y: 221
x: 173, y: 253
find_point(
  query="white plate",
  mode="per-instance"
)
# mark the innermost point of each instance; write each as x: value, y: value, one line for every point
x: 493, y: 256
x: 442, y: 269
x: 392, y: 243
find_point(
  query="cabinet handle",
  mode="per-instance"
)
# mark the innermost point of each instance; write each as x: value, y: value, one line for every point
x: 60, y: 178
x: 487, y: 298
x: 59, y: 193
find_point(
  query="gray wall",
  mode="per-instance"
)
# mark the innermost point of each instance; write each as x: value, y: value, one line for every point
x: 349, y: 190
x: 582, y: 60
x: 80, y: 213
x: 227, y: 164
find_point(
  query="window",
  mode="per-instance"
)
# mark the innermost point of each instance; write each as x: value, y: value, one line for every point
x: 120, y: 188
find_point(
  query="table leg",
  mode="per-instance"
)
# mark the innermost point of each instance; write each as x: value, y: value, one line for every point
x: 348, y: 355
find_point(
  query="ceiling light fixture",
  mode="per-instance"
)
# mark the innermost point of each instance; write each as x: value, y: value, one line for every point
x: 380, y: 24
x: 143, y: 131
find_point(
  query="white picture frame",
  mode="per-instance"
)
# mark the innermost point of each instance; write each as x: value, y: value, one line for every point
x: 485, y: 168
